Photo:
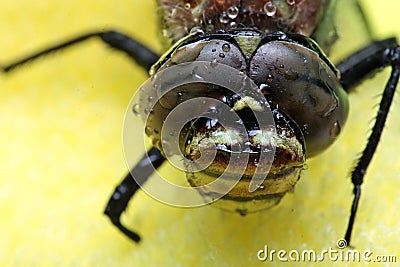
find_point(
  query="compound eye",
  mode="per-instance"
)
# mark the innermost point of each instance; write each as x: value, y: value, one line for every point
x: 217, y: 51
x: 304, y: 87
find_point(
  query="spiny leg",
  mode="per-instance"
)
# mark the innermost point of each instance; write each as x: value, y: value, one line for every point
x: 354, y: 69
x: 366, y: 62
x: 142, y: 55
x: 127, y: 188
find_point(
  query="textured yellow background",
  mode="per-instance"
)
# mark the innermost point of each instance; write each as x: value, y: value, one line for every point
x: 61, y: 156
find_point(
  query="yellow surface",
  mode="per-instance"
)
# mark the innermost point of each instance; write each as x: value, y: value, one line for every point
x: 61, y: 156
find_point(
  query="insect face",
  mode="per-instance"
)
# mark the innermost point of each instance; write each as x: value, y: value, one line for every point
x: 298, y: 83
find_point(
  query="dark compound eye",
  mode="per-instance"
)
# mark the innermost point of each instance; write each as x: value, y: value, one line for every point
x: 304, y: 87
x: 217, y: 51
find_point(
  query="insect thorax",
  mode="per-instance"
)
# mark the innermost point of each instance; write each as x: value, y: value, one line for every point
x: 305, y: 17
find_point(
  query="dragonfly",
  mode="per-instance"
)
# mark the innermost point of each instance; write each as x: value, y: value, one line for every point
x: 282, y: 47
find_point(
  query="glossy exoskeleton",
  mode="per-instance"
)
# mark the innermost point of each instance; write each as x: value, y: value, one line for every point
x: 279, y: 45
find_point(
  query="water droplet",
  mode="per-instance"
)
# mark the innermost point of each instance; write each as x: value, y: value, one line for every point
x: 214, y: 63
x: 270, y: 78
x: 150, y: 99
x: 335, y: 130
x: 223, y: 18
x: 226, y: 48
x: 291, y: 2
x: 270, y: 8
x: 264, y: 86
x: 212, y: 108
x: 187, y: 6
x: 148, y: 130
x: 221, y: 55
x: 136, y: 109
x: 233, y: 12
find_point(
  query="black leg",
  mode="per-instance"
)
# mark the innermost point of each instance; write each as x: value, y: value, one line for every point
x: 127, y: 188
x: 365, y: 63
x: 142, y: 55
